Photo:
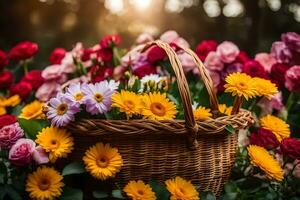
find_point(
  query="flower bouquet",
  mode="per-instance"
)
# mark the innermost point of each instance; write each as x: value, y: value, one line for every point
x: 106, y: 123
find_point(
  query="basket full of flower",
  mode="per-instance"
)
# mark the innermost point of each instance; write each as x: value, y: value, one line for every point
x: 137, y: 135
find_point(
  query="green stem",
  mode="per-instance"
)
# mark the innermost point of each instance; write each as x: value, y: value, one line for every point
x: 116, y: 57
x: 290, y: 101
x: 25, y: 66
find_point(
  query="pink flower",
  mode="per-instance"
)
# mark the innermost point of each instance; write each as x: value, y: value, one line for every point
x: 267, y: 106
x: 172, y: 37
x: 144, y: 38
x: 119, y: 72
x: 213, y: 61
x: 266, y: 60
x: 67, y: 63
x: 216, y: 78
x: 228, y: 51
x: 47, y: 90
x: 20, y: 153
x: 9, y: 135
x: 292, y: 79
x: 187, y: 62
x: 169, y: 36
x: 53, y: 72
x: 40, y: 156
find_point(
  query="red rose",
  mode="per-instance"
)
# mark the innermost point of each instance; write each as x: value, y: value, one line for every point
x: 6, y: 79
x: 155, y: 54
x: 86, y: 54
x: 23, y: 50
x: 144, y: 70
x: 105, y: 55
x: 290, y: 147
x: 7, y: 120
x: 110, y: 41
x: 264, y: 138
x: 242, y: 57
x: 57, y: 55
x: 254, y: 69
x: 100, y: 73
x: 278, y: 71
x: 34, y: 77
x: 3, y: 59
x: 205, y: 47
x: 22, y: 88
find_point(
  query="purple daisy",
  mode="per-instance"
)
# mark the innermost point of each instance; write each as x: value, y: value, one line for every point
x: 62, y: 110
x: 97, y: 97
x: 74, y: 93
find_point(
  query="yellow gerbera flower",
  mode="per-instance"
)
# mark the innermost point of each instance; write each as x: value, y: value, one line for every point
x: 44, y: 184
x: 224, y: 109
x: 181, y: 189
x: 11, y: 101
x: 137, y: 190
x: 158, y: 107
x: 277, y: 126
x: 265, y: 87
x: 261, y: 158
x: 128, y: 102
x: 202, y: 113
x: 33, y: 110
x: 2, y: 110
x: 57, y: 142
x: 102, y: 161
x: 240, y: 84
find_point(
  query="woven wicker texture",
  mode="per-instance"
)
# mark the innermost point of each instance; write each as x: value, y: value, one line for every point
x: 202, y: 152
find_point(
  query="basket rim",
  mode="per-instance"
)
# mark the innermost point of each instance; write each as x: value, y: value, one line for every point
x: 216, y: 126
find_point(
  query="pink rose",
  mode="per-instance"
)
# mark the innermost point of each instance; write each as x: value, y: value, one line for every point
x: 267, y: 106
x: 216, y: 78
x: 40, y: 156
x: 144, y: 38
x: 47, y: 90
x: 9, y: 135
x: 228, y: 51
x: 53, y: 72
x: 266, y: 60
x: 119, y: 72
x: 213, y: 62
x: 172, y: 37
x: 20, y: 153
x: 292, y: 79
x: 169, y: 36
x: 67, y: 64
x: 187, y: 62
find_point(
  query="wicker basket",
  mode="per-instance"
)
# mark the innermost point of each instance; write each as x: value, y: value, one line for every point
x: 202, y: 152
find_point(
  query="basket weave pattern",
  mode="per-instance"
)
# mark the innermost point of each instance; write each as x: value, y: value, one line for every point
x: 202, y: 152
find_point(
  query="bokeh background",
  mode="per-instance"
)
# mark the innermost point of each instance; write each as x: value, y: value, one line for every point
x: 252, y: 24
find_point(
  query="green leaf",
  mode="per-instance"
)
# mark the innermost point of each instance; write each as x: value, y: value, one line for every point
x: 160, y: 191
x: 32, y: 127
x: 3, y: 173
x: 73, y: 168
x: 12, y: 193
x: 16, y: 110
x: 100, y: 194
x: 230, y: 129
x: 117, y: 194
x: 71, y: 194
x: 207, y: 196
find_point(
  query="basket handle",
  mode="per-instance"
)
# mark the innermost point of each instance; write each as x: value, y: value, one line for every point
x: 183, y: 87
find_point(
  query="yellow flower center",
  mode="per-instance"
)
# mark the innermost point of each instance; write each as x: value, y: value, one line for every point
x: 62, y: 109
x: 129, y: 104
x: 241, y: 85
x: 54, y: 144
x: 140, y: 192
x: 98, y: 97
x: 102, y: 162
x: 78, y: 96
x: 158, y: 109
x: 44, y: 184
